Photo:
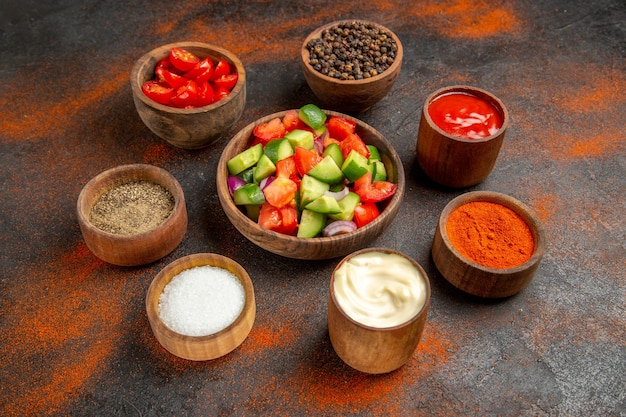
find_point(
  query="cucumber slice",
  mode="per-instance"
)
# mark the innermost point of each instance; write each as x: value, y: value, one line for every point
x: 312, y: 115
x: 311, y: 223
x: 248, y: 194
x: 327, y: 171
x: 325, y: 205
x: 334, y: 151
x: 355, y: 166
x: 245, y: 159
x: 347, y: 206
x: 379, y: 172
x: 277, y: 149
x: 310, y: 189
x: 264, y: 168
x: 374, y: 153
x: 302, y: 138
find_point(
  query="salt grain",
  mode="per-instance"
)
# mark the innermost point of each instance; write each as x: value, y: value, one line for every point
x: 201, y: 301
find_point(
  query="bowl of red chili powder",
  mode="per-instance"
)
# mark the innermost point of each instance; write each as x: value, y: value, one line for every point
x: 488, y: 244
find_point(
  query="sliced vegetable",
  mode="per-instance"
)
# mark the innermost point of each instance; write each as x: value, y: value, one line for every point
x: 183, y: 59
x: 305, y: 160
x: 355, y: 166
x: 234, y: 182
x: 248, y: 194
x: 339, y: 227
x: 158, y: 91
x: 280, y: 192
x: 310, y: 189
x: 347, y: 206
x: 326, y: 170
x: 264, y: 168
x: 353, y: 142
x: 312, y: 115
x: 340, y: 127
x: 373, y: 192
x: 311, y: 224
x: 301, y: 138
x: 334, y: 151
x: 245, y: 159
x: 365, y: 213
x: 324, y: 204
x: 277, y: 149
x: 264, y: 132
x: 282, y: 220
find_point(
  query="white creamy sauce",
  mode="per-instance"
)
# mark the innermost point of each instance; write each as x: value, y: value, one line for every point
x: 379, y: 289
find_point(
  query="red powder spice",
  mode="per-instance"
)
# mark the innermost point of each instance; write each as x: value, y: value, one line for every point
x: 490, y: 234
x: 62, y: 307
x: 470, y: 19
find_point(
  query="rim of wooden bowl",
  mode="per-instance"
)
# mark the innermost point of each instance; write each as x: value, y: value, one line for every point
x: 143, y: 70
x: 207, y: 347
x: 316, y: 244
x: 476, y: 91
x: 417, y: 266
x: 123, y: 174
x: 305, y: 55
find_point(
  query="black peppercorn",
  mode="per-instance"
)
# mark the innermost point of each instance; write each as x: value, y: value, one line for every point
x: 352, y: 51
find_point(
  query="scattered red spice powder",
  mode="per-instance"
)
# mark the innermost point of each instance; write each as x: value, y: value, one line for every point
x: 63, y: 306
x: 340, y: 389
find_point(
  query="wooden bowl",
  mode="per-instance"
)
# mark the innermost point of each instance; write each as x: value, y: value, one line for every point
x: 188, y: 128
x: 369, y: 349
x: 201, y: 348
x: 477, y: 279
x: 318, y: 247
x: 453, y: 161
x: 351, y: 96
x: 140, y: 248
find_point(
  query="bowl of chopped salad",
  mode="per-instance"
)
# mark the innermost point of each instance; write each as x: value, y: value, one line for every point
x: 309, y: 183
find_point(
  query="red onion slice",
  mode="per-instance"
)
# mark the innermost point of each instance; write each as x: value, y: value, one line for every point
x: 234, y: 182
x: 339, y: 227
x: 265, y: 182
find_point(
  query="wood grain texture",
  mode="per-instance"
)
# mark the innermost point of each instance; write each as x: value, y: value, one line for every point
x: 138, y: 249
x: 351, y: 96
x: 200, y: 348
x: 476, y: 279
x: 319, y: 247
x: 369, y: 349
x: 188, y: 128
x: 457, y: 162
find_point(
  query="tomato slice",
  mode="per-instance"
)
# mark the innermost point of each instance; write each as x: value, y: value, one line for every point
x: 170, y: 78
x: 286, y: 168
x: 280, y: 192
x: 183, y: 59
x: 221, y: 68
x: 227, y: 81
x: 292, y: 121
x: 281, y: 220
x: 340, y: 127
x: 158, y: 91
x: 365, y: 213
x: 305, y: 159
x: 373, y: 192
x: 205, y: 94
x: 353, y: 142
x: 274, y: 129
x: 203, y: 71
x: 186, y: 96
x: 220, y: 93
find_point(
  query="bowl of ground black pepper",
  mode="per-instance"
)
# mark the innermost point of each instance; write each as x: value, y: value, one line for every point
x: 350, y: 65
x: 488, y: 244
x: 132, y: 214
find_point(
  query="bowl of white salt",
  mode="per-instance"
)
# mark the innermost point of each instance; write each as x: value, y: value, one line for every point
x: 201, y: 307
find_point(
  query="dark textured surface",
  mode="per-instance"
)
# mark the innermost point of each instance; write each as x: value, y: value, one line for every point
x: 75, y: 339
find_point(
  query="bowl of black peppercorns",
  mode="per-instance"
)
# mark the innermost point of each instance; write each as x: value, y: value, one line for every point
x: 351, y: 64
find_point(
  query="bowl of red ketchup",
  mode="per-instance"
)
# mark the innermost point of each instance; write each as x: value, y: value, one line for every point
x: 460, y: 135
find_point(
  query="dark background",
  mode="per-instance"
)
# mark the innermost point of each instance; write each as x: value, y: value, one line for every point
x: 74, y: 336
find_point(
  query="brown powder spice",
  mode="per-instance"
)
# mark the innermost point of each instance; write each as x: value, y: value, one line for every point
x: 132, y: 208
x: 490, y: 234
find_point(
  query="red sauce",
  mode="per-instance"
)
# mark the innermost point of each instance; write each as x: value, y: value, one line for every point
x: 465, y: 115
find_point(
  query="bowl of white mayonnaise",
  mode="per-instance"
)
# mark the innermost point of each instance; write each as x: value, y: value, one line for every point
x: 377, y: 307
